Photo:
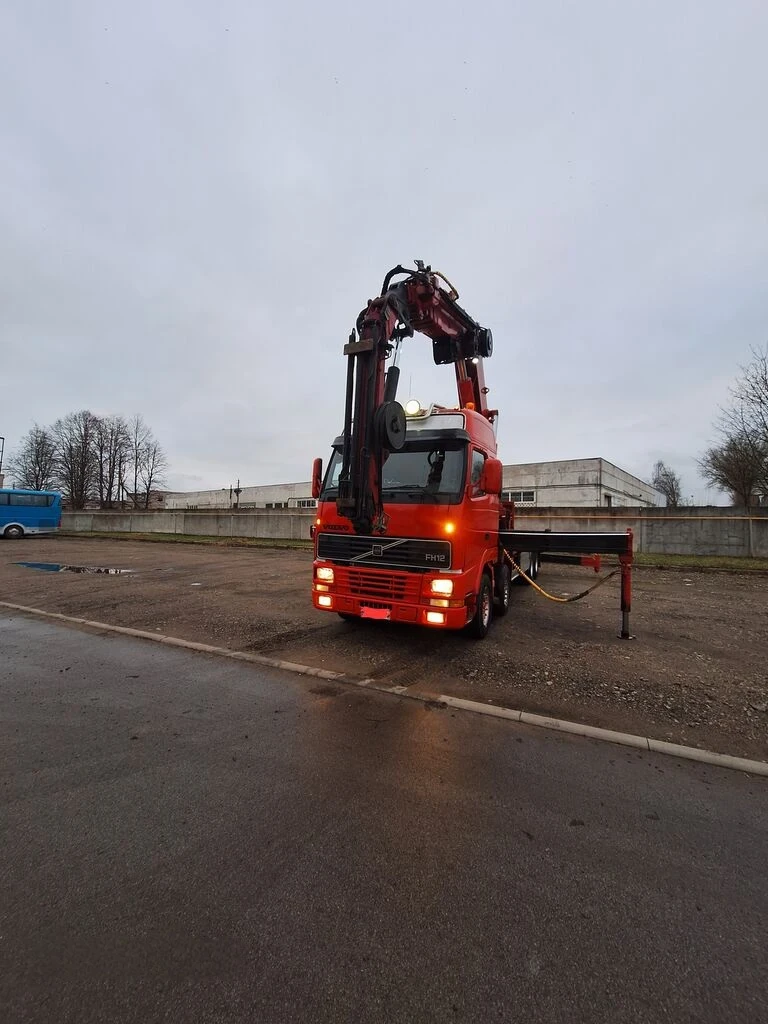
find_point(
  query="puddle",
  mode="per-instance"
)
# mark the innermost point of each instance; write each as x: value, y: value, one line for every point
x: 58, y: 567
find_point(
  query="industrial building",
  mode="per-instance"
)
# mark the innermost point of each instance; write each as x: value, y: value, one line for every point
x: 572, y: 482
x: 589, y: 483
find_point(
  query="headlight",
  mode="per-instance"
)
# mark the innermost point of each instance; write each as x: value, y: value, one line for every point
x: 324, y: 573
x: 444, y: 587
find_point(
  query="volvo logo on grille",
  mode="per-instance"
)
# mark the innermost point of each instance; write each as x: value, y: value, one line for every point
x: 377, y: 550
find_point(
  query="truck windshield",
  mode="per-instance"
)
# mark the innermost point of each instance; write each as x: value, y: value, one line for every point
x: 422, y: 473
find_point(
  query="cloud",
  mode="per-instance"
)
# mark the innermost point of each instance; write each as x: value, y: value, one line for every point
x: 198, y: 201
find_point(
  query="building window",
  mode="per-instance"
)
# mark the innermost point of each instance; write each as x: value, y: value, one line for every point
x: 306, y: 503
x: 520, y: 497
x: 608, y: 500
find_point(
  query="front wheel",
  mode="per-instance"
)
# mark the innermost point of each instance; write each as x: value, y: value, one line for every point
x: 13, y: 532
x: 481, y: 620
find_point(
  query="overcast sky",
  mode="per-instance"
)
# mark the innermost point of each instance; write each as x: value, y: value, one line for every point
x: 198, y: 199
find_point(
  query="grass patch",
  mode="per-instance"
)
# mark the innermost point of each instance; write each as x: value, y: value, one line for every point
x: 190, y: 538
x: 724, y: 563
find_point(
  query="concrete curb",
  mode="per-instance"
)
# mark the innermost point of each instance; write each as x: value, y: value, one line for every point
x: 626, y: 739
x: 172, y: 641
x: 742, y: 764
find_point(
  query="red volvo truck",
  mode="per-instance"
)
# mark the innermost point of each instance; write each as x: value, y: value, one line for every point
x: 411, y: 526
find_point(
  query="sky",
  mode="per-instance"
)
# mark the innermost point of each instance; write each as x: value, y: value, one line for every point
x: 198, y: 199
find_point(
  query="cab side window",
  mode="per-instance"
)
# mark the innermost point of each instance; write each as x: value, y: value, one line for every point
x: 476, y: 471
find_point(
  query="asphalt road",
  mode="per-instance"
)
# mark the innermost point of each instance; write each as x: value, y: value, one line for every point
x: 189, y: 839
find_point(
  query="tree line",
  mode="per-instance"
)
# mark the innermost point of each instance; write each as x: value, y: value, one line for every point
x: 737, y: 463
x: 109, y: 459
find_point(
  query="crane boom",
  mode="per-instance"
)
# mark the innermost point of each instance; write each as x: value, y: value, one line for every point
x: 374, y: 422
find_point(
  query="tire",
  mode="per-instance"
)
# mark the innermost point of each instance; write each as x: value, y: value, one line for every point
x: 481, y: 620
x: 531, y: 570
x: 533, y: 567
x: 503, y: 590
x: 13, y: 532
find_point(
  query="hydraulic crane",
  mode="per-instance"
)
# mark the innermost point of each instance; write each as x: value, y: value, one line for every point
x: 411, y: 525
x: 374, y: 422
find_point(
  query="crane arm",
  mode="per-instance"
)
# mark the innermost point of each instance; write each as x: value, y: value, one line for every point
x: 374, y: 423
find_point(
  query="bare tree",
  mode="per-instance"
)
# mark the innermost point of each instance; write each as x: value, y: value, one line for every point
x: 153, y: 467
x: 33, y: 464
x: 87, y: 457
x: 112, y: 444
x: 76, y: 460
x: 139, y: 437
x: 737, y: 466
x: 667, y: 482
x: 751, y: 394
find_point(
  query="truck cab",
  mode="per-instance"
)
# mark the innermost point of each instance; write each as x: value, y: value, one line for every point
x: 437, y: 562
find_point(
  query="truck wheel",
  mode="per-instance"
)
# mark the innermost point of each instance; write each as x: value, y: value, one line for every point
x: 503, y: 590
x: 533, y: 568
x: 481, y: 620
x: 13, y: 532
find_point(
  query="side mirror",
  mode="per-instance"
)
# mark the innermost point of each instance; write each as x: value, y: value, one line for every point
x: 317, y: 477
x: 490, y: 480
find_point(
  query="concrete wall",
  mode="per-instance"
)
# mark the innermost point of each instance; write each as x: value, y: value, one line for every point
x: 280, y: 524
x: 665, y: 531
x: 683, y: 531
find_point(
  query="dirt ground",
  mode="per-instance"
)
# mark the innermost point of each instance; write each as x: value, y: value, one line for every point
x: 696, y: 672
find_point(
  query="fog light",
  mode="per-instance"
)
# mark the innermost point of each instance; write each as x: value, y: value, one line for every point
x: 436, y: 618
x: 325, y: 601
x: 324, y: 573
x: 442, y: 587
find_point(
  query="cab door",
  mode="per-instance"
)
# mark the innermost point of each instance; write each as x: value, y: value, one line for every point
x: 482, y: 518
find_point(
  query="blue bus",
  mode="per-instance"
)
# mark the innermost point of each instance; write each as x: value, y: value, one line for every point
x: 23, y: 511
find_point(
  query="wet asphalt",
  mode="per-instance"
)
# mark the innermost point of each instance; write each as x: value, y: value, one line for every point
x: 191, y: 839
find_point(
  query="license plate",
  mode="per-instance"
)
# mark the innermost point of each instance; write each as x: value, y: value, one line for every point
x: 375, y: 613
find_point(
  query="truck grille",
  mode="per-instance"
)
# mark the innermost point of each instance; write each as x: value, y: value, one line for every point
x: 369, y: 585
x: 388, y: 552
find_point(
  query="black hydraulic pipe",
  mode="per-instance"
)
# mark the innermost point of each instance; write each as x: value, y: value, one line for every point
x: 347, y: 451
x: 392, y: 273
x: 390, y: 386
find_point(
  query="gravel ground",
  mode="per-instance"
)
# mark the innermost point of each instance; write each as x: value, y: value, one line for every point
x: 696, y: 673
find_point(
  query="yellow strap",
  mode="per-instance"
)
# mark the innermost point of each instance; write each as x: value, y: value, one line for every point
x: 551, y: 597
